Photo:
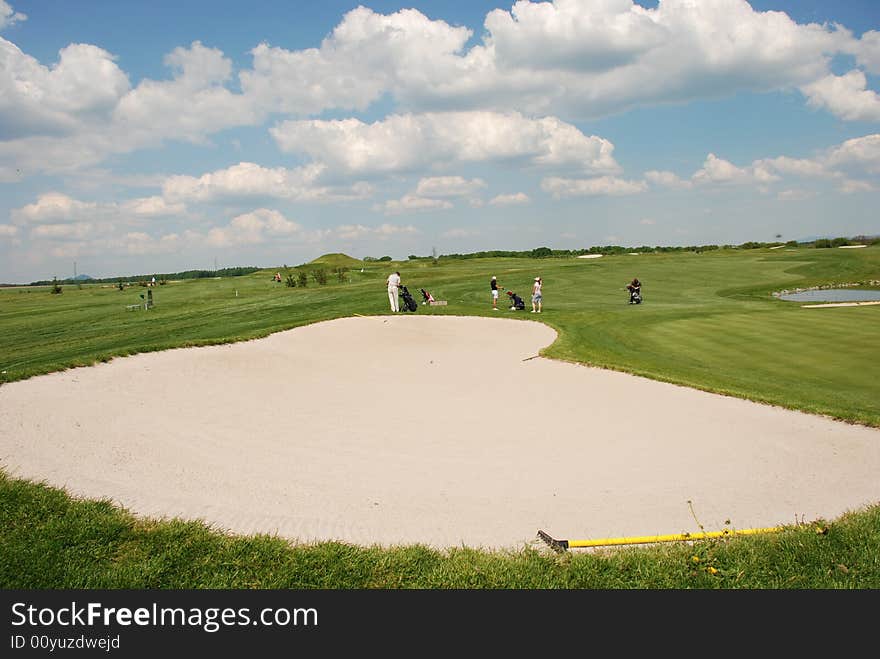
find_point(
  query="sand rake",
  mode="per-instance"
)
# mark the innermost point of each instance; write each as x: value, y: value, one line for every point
x: 561, y: 546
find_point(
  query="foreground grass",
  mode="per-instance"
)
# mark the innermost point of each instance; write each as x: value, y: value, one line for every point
x: 50, y: 541
x: 708, y: 322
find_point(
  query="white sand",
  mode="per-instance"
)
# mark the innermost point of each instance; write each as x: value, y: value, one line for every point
x: 420, y: 429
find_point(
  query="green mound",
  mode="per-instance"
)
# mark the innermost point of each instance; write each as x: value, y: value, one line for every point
x: 336, y: 261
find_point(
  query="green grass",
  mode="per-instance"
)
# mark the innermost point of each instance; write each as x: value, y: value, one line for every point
x: 708, y: 321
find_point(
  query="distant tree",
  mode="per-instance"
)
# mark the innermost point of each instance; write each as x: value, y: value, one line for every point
x: 302, y: 278
x: 56, y: 287
x: 340, y: 274
x: 384, y: 258
x: 320, y: 276
x: 290, y: 281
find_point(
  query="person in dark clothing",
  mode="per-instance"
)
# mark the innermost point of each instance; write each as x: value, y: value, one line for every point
x: 494, y: 288
x: 635, y: 291
x: 516, y: 302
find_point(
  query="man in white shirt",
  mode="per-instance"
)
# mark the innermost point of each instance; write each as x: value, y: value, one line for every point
x: 393, y: 282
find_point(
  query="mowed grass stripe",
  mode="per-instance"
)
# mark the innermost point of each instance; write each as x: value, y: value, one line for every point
x: 786, y: 358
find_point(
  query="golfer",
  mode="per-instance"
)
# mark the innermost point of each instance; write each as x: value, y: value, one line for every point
x: 536, y: 295
x: 393, y: 282
x: 494, y: 287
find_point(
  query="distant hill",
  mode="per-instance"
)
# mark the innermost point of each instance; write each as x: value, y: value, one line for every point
x: 337, y: 261
x: 82, y: 278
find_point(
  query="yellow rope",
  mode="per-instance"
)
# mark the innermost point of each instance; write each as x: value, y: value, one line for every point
x: 647, y: 539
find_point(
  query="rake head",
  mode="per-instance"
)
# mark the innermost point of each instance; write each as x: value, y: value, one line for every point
x: 559, y: 546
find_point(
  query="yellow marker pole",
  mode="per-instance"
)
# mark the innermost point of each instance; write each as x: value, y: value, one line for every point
x: 561, y: 545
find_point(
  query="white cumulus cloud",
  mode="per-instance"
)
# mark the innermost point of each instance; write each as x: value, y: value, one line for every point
x: 602, y: 186
x: 448, y: 186
x: 867, y: 51
x: 860, y: 153
x: 82, y: 88
x: 413, y: 203
x: 152, y: 207
x: 563, y: 60
x: 252, y: 228
x: 846, y: 96
x: 667, y: 179
x: 568, y: 58
x: 851, y: 186
x: 8, y: 16
x: 401, y: 143
x: 367, y: 54
x: 193, y: 104
x: 718, y: 170
x: 513, y: 199
x: 53, y: 207
x: 247, y: 179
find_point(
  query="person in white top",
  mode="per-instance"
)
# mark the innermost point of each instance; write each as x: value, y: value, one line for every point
x: 393, y: 282
x: 536, y: 295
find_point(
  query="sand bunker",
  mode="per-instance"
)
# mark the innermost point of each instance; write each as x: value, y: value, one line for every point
x: 418, y: 429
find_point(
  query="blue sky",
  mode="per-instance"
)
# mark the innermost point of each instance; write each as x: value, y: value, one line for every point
x: 157, y: 137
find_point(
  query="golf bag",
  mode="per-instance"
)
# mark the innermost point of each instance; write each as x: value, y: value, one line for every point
x: 426, y: 296
x: 635, y: 294
x: 516, y: 302
x: 409, y: 304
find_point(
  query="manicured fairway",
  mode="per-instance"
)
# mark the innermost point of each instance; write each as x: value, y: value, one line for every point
x: 708, y: 320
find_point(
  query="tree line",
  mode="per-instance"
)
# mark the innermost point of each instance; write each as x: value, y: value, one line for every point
x: 536, y: 253
x: 546, y: 252
x: 186, y: 274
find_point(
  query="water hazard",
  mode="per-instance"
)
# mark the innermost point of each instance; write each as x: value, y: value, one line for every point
x: 833, y: 295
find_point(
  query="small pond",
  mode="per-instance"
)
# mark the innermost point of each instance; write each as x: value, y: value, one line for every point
x: 833, y: 295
